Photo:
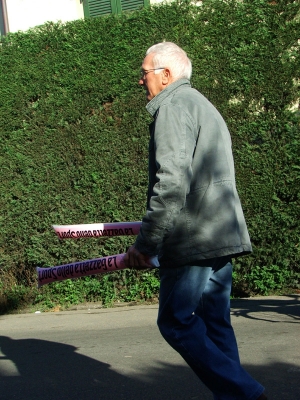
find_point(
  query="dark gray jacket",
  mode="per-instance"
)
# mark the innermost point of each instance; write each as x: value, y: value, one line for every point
x: 194, y: 212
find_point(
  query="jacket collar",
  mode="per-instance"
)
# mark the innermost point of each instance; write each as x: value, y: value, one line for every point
x: 155, y: 103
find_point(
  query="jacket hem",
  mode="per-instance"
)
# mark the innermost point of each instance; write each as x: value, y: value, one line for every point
x: 169, y: 262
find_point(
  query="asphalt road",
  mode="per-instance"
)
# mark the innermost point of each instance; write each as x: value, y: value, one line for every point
x: 118, y: 353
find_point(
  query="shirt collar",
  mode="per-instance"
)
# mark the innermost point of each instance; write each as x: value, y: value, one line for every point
x: 155, y: 103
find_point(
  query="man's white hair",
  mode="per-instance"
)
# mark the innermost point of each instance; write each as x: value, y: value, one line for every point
x: 169, y: 55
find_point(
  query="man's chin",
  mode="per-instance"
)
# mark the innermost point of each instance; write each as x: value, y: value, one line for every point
x: 148, y: 96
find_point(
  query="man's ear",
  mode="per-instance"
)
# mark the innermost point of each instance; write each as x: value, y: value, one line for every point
x: 166, y: 76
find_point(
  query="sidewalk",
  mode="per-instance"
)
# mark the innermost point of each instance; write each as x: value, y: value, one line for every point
x: 110, y: 354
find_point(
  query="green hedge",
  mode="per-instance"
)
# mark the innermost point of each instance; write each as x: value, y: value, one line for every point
x: 74, y: 136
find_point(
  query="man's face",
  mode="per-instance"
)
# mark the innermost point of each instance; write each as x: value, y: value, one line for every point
x: 152, y: 83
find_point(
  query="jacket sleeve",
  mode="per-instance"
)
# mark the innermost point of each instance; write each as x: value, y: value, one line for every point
x: 174, y: 144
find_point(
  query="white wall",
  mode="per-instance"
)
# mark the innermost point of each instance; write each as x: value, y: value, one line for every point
x: 159, y: 1
x: 25, y: 14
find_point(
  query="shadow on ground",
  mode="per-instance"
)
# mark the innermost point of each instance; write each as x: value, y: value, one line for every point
x: 261, y: 308
x: 36, y: 369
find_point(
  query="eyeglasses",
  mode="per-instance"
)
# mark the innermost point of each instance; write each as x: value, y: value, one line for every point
x: 144, y: 72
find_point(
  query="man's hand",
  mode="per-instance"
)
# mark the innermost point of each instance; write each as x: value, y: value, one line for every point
x: 134, y: 259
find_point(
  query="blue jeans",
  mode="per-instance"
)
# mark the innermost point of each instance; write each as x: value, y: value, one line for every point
x: 194, y: 318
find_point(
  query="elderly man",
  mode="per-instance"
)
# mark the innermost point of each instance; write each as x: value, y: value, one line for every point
x: 194, y: 223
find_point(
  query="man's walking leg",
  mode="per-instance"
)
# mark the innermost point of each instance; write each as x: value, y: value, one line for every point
x: 179, y: 320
